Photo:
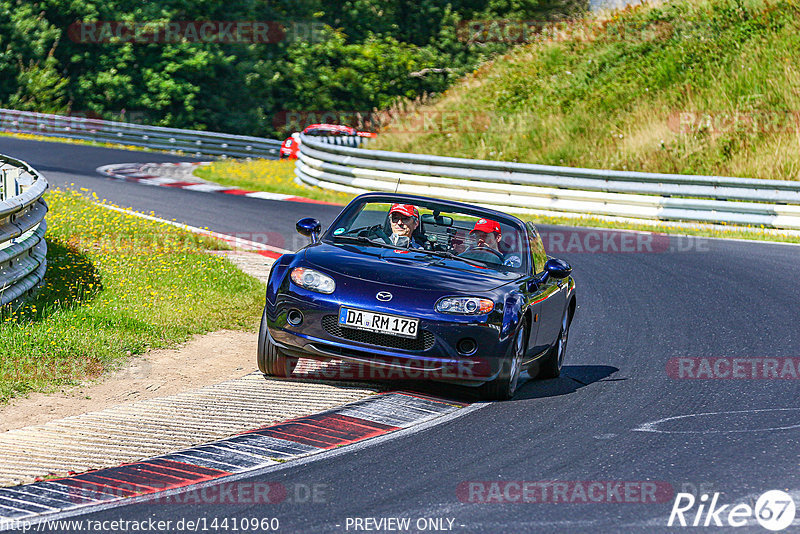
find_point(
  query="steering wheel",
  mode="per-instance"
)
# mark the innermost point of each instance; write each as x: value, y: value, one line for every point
x: 482, y: 250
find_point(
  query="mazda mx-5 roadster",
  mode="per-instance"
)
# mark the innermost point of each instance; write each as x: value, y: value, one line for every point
x: 416, y: 288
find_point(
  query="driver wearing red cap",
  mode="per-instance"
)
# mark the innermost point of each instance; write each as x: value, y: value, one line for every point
x: 404, y: 221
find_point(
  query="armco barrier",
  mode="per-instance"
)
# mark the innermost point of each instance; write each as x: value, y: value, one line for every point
x: 554, y: 191
x: 22, y: 227
x: 192, y: 142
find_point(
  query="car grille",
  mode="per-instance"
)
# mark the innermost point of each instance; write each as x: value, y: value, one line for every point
x: 420, y: 343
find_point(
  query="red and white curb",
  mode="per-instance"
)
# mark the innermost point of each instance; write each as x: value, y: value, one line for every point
x: 179, y: 176
x: 361, y: 420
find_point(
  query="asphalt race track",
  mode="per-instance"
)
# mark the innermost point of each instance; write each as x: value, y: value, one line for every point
x: 603, y: 422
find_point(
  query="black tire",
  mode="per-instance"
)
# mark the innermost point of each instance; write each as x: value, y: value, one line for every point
x: 505, y: 385
x: 550, y: 366
x: 271, y: 361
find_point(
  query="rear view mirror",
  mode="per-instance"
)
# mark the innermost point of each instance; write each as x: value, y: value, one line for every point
x: 439, y: 220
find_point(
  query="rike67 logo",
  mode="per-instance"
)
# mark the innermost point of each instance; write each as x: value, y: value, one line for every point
x: 774, y: 510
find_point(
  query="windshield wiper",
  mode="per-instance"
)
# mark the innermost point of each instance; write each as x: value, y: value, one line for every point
x: 449, y: 255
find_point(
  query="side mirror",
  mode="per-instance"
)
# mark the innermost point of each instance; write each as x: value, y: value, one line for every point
x: 557, y: 268
x: 309, y: 227
x: 554, y: 268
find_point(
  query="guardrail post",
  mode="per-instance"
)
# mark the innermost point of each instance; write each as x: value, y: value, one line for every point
x: 10, y: 183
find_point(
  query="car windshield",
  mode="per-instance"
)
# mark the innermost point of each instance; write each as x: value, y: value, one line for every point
x: 461, y: 237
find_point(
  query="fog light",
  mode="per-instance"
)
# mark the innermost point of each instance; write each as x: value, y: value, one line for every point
x: 294, y: 317
x: 466, y: 346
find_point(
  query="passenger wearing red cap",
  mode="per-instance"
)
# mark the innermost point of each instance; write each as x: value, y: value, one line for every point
x: 404, y: 220
x: 487, y: 234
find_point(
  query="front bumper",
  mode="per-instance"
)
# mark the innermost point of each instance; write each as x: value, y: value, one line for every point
x: 431, y: 356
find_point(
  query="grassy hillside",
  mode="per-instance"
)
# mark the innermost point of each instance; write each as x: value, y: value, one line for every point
x: 698, y: 87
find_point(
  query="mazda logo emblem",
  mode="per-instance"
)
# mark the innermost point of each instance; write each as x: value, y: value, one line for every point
x: 384, y: 296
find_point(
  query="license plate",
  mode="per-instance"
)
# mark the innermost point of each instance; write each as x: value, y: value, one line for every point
x: 378, y: 322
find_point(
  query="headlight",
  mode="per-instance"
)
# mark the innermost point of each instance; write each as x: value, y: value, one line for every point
x: 313, y: 280
x: 465, y: 305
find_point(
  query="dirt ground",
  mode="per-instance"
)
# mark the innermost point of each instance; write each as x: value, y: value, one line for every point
x: 203, y: 361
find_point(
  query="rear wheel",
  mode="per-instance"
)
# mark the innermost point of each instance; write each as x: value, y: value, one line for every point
x: 554, y: 359
x: 271, y: 361
x: 505, y: 385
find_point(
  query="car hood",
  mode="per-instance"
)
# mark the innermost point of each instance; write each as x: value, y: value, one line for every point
x: 404, y: 268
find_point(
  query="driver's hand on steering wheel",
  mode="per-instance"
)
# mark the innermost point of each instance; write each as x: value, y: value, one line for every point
x: 491, y: 255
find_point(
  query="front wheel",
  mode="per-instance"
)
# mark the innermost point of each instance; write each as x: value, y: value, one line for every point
x: 271, y: 361
x: 554, y: 359
x: 505, y: 385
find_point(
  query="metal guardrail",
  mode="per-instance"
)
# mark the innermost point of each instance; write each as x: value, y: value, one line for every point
x: 23, y: 249
x: 194, y: 142
x: 555, y: 191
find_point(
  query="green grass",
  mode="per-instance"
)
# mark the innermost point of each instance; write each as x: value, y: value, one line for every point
x: 274, y: 176
x: 116, y: 285
x: 693, y: 87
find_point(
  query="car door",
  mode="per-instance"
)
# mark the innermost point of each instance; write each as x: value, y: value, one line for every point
x: 550, y: 295
x: 533, y: 304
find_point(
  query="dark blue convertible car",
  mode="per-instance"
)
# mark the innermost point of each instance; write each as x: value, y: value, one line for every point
x: 420, y: 288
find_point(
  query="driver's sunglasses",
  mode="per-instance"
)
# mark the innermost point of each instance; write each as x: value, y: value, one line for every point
x: 396, y: 217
